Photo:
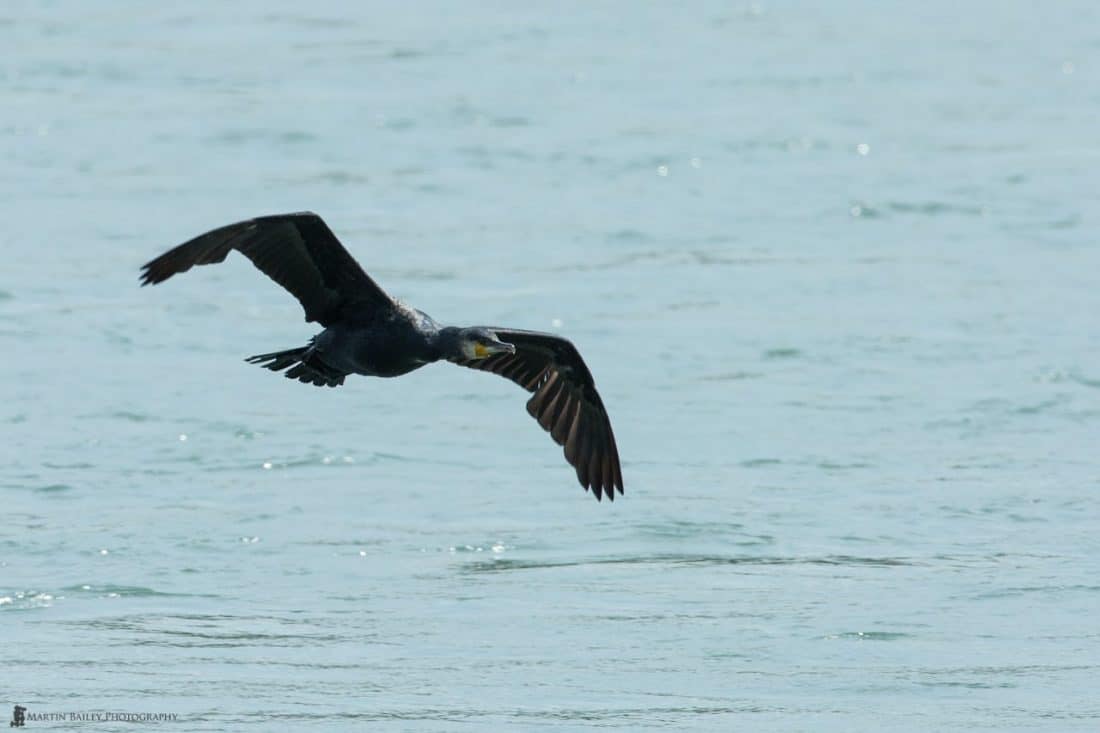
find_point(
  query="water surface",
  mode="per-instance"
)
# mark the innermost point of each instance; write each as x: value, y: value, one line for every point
x: 834, y: 269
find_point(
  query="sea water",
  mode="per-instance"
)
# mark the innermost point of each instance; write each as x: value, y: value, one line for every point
x: 833, y: 266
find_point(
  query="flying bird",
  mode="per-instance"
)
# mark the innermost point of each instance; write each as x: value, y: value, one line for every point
x: 367, y: 332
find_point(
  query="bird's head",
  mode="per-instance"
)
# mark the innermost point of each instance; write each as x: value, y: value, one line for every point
x: 481, y: 343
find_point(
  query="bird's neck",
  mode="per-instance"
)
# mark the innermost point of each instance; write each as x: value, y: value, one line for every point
x: 448, y: 342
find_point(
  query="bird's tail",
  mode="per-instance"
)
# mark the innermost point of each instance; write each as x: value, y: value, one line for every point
x: 301, y: 364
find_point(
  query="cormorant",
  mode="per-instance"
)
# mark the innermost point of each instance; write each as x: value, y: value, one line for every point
x: 368, y: 332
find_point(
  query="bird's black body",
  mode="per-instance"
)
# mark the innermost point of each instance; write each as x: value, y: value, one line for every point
x: 369, y: 333
x: 381, y: 344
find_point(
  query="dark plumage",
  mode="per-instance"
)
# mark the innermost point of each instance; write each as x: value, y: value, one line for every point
x: 368, y: 332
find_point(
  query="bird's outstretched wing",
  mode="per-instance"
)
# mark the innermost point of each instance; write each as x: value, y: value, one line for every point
x: 298, y: 251
x: 565, y: 403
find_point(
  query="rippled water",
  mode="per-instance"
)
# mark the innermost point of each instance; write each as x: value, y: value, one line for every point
x: 834, y: 268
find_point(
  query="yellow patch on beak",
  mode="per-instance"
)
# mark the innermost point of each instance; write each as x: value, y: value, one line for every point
x: 480, y: 351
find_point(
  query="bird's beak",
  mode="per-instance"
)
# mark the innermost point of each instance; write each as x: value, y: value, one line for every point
x: 499, y: 347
